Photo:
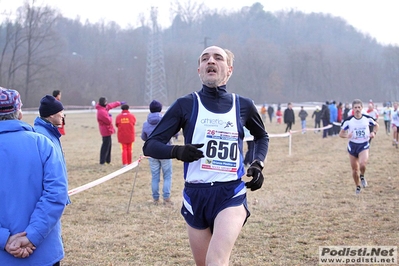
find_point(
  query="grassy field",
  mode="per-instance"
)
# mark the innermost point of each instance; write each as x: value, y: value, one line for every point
x: 307, y: 200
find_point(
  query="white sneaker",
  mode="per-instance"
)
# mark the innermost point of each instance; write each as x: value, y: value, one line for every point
x: 364, y: 182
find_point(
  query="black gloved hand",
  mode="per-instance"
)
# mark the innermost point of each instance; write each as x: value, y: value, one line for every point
x: 255, y: 170
x: 187, y: 153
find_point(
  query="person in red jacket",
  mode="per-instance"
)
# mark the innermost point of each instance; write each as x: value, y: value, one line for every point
x: 104, y: 119
x: 279, y: 115
x: 125, y: 123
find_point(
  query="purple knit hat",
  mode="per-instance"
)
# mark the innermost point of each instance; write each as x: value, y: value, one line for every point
x: 10, y: 101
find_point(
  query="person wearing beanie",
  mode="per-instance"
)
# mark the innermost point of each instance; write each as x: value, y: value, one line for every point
x: 49, y: 119
x: 104, y: 119
x: 51, y: 110
x: 10, y: 104
x: 155, y: 107
x: 61, y: 128
x: 125, y: 122
x: 51, y: 114
x: 157, y: 165
x: 47, y: 123
x: 33, y: 191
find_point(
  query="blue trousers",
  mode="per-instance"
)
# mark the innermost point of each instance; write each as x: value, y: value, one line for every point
x: 156, y: 165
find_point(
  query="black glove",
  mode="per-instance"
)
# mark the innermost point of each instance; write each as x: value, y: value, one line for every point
x: 255, y: 170
x: 187, y: 153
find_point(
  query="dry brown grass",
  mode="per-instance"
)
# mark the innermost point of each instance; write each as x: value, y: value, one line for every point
x: 307, y: 201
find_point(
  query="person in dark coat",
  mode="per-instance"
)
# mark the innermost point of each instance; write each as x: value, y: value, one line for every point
x: 289, y: 117
x: 317, y: 118
x: 270, y: 112
x: 325, y: 118
x: 346, y: 111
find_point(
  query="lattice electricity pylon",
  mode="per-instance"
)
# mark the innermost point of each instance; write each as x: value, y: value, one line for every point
x: 155, y: 72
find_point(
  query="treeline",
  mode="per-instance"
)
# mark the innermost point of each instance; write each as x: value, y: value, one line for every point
x: 279, y: 57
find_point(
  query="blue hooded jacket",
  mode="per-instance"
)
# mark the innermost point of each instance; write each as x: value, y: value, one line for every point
x: 333, y: 113
x: 49, y: 130
x: 33, y: 193
x: 149, y: 125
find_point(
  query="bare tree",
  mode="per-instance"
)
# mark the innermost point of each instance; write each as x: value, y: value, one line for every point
x: 7, y: 32
x: 391, y: 70
x: 15, y: 59
x: 33, y: 47
x: 189, y: 12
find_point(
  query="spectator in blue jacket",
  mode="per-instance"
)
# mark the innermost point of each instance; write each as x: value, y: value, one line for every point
x: 333, y: 116
x: 51, y: 113
x: 33, y: 191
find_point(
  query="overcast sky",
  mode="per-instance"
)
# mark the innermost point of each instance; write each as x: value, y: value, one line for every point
x: 379, y: 19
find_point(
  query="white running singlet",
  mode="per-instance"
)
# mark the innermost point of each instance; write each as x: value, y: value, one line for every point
x: 359, y: 128
x: 219, y: 133
x: 395, y: 117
